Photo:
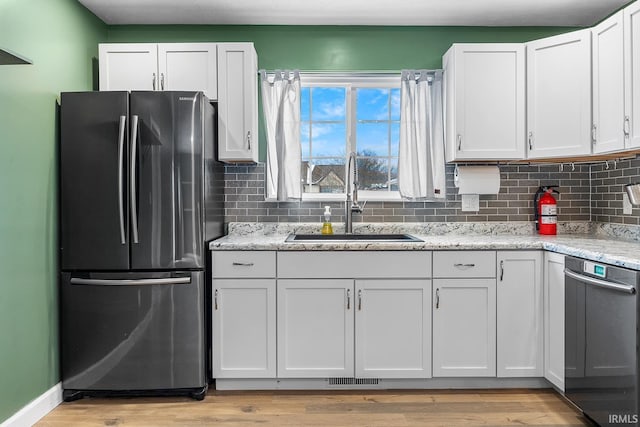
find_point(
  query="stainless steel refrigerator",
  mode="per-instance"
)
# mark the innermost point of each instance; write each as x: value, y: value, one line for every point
x: 141, y: 194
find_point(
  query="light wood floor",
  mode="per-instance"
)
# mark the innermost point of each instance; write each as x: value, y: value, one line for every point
x: 327, y: 408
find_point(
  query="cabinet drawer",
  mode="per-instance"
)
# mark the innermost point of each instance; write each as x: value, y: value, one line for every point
x: 234, y: 264
x: 464, y: 264
x: 354, y: 264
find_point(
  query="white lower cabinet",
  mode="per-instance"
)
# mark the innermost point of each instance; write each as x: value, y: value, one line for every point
x: 393, y: 328
x: 315, y: 328
x: 464, y: 327
x: 519, y: 314
x: 554, y: 318
x: 244, y: 328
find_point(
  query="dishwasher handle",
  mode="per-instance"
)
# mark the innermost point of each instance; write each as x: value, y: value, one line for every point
x: 601, y: 283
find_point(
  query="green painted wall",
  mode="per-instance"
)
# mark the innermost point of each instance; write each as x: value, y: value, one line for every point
x: 61, y: 38
x: 335, y: 48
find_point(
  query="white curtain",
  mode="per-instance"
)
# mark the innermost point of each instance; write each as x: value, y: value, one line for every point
x: 421, y: 171
x: 281, y: 108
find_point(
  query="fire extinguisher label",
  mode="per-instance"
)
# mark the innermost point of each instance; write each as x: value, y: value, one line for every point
x: 549, y: 220
x: 549, y: 210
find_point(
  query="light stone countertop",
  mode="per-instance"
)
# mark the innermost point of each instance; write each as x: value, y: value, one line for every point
x: 617, y: 245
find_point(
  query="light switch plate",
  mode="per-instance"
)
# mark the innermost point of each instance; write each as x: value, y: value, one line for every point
x: 626, y: 204
x: 470, y: 203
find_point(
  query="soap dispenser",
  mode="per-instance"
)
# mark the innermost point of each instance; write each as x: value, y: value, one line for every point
x: 326, y: 226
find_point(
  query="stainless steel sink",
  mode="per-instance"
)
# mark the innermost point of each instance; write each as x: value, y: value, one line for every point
x: 352, y: 238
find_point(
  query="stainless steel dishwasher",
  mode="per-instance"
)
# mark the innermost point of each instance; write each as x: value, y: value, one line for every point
x: 601, y: 341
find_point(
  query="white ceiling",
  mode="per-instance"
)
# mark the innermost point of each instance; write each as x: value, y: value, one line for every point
x: 355, y: 12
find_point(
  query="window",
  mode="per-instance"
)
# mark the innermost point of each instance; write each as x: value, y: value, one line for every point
x: 344, y: 114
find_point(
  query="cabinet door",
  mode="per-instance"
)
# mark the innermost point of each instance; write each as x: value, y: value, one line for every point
x: 188, y: 67
x: 554, y: 318
x: 608, y: 85
x: 244, y: 328
x: 519, y: 314
x: 237, y: 102
x: 632, y: 74
x: 559, y: 95
x: 128, y: 66
x: 489, y: 101
x: 464, y: 327
x: 393, y: 328
x: 315, y: 328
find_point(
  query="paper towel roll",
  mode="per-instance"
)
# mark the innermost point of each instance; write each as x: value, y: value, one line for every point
x: 477, y: 179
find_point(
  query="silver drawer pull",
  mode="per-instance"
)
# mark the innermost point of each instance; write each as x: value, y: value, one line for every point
x: 464, y: 265
x: 243, y: 264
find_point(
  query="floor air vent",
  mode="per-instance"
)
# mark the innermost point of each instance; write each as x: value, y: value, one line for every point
x: 353, y: 381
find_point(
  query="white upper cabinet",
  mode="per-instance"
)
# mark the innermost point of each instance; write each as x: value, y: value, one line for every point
x: 151, y: 66
x: 632, y: 75
x: 559, y: 95
x: 238, y: 102
x: 188, y: 66
x: 608, y: 85
x: 485, y: 101
x: 128, y: 66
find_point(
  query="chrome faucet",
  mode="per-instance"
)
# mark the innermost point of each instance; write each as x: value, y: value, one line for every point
x: 351, y: 205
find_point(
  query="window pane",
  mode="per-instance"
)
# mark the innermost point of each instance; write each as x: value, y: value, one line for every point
x: 304, y: 139
x: 372, y: 139
x: 393, y: 182
x: 373, y: 173
x: 328, y: 140
x: 372, y: 104
x: 304, y: 104
x: 328, y: 103
x: 324, y: 175
x: 395, y: 138
x: 395, y: 104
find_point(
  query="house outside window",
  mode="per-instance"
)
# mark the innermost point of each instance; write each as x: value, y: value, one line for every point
x: 345, y: 113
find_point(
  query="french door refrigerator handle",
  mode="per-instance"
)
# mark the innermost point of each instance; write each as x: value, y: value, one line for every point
x: 134, y: 206
x: 125, y: 282
x: 601, y: 283
x: 123, y: 121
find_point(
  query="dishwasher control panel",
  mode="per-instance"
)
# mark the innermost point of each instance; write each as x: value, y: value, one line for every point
x: 595, y: 269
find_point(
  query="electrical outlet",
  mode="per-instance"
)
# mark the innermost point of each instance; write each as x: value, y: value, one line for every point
x: 470, y: 203
x: 626, y: 204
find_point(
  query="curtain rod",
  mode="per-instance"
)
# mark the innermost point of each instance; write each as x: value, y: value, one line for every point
x: 358, y: 73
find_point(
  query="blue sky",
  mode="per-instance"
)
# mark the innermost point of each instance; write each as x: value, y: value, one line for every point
x: 329, y: 135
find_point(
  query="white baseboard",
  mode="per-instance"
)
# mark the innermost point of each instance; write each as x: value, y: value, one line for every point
x: 36, y: 409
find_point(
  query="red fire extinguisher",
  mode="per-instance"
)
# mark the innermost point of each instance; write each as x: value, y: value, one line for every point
x: 546, y: 210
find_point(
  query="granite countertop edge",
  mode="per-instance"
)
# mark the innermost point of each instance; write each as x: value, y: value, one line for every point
x: 605, y: 249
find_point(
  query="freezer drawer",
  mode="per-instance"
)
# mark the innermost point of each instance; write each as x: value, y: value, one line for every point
x: 132, y: 331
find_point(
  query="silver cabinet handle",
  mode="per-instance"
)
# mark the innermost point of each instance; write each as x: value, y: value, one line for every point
x: 153, y: 81
x: 348, y: 299
x: 626, y: 127
x: 459, y: 142
x: 530, y: 140
x: 129, y: 282
x: 249, y: 140
x: 594, y: 129
x: 243, y: 264
x: 132, y: 179
x: 123, y: 121
x: 601, y: 283
x: 161, y: 81
x: 359, y: 299
x: 438, y: 298
x: 458, y: 265
x: 501, y: 270
x: 215, y: 299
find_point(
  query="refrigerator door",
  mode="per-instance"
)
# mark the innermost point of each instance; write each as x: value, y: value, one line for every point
x: 93, y: 181
x: 132, y: 331
x: 167, y: 183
